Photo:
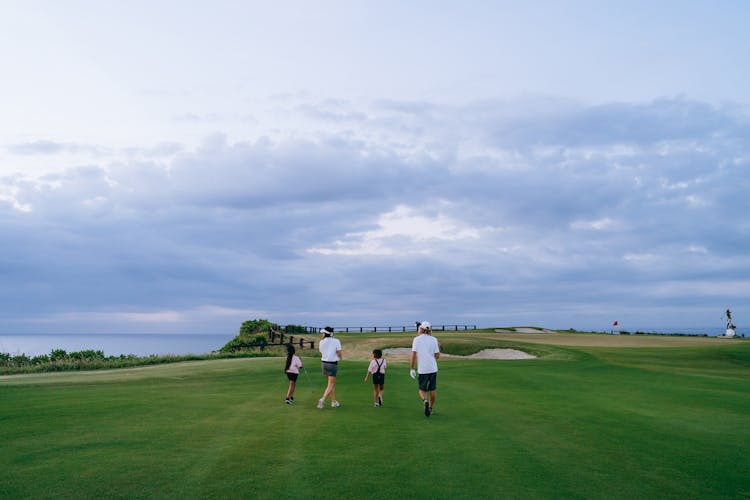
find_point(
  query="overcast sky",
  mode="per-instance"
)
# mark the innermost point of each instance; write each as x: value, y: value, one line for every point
x: 177, y: 166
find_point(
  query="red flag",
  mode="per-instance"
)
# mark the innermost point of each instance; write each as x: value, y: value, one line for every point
x: 614, y: 324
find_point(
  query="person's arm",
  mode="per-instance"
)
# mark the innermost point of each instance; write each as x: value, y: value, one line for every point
x: 413, y: 359
x: 338, y: 353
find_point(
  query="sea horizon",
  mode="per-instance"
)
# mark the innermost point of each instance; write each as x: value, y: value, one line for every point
x: 114, y: 344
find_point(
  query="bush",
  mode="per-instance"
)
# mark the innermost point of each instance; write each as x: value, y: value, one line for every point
x: 58, y: 355
x: 295, y: 329
x: 39, y: 360
x: 88, y: 355
x: 255, y: 326
x: 10, y: 365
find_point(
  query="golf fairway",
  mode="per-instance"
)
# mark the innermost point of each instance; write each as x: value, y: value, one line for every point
x: 582, y: 421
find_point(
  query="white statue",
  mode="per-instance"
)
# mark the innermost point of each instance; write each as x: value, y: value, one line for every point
x: 730, y: 326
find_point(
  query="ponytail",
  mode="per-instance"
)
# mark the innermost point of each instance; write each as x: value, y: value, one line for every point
x: 289, y: 355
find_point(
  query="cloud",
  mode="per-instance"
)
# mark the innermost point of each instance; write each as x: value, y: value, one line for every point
x: 401, y: 231
x: 560, y: 213
x: 46, y: 147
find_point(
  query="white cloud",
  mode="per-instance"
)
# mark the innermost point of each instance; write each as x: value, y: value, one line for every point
x: 9, y: 195
x: 596, y: 225
x: 404, y: 230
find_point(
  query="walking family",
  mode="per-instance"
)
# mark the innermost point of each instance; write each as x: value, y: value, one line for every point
x: 425, y: 351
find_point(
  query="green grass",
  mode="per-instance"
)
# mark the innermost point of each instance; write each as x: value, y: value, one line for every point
x: 580, y: 422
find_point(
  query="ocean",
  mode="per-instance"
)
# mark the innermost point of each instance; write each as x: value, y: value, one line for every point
x: 138, y: 344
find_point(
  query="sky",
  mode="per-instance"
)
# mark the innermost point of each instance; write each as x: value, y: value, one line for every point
x: 180, y: 167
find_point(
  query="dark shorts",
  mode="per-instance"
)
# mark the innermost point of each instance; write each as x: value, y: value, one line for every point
x: 427, y: 381
x: 330, y: 369
x: 292, y: 376
x: 378, y: 378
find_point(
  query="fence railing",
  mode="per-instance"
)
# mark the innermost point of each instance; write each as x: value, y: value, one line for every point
x: 392, y: 329
x: 278, y: 337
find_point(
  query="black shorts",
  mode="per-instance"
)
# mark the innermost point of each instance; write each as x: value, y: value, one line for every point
x: 330, y: 369
x: 292, y: 376
x: 378, y: 378
x: 427, y: 381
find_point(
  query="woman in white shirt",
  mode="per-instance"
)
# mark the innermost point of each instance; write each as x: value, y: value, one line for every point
x: 330, y: 350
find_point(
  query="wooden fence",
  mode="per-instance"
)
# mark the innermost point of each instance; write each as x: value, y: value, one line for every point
x: 383, y: 329
x: 278, y: 337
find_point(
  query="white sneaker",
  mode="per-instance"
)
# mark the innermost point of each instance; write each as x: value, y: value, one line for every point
x: 335, y: 404
x: 321, y: 403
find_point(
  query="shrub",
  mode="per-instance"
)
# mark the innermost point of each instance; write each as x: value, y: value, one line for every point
x: 21, y: 360
x: 88, y: 355
x: 58, y: 355
x: 41, y: 359
x: 254, y: 326
x: 22, y: 364
x: 295, y: 329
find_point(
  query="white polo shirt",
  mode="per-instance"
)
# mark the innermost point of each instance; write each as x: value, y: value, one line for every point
x: 328, y: 347
x: 425, y: 346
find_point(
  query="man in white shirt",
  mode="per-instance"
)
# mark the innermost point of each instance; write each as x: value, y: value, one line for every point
x: 425, y: 350
x: 330, y: 354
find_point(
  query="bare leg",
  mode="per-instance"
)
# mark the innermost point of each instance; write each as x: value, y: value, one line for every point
x: 331, y: 389
x: 290, y: 392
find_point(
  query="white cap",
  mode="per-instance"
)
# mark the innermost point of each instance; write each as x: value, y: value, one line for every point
x: 425, y: 325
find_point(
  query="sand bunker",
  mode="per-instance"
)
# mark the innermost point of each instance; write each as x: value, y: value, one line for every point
x: 523, y: 330
x: 483, y: 354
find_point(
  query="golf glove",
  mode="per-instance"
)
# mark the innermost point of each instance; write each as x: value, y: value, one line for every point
x: 412, y: 373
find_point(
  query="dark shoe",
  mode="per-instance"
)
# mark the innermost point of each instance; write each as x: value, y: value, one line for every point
x: 380, y: 401
x: 426, y: 408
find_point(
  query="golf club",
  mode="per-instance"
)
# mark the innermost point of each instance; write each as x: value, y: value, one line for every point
x: 309, y: 382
